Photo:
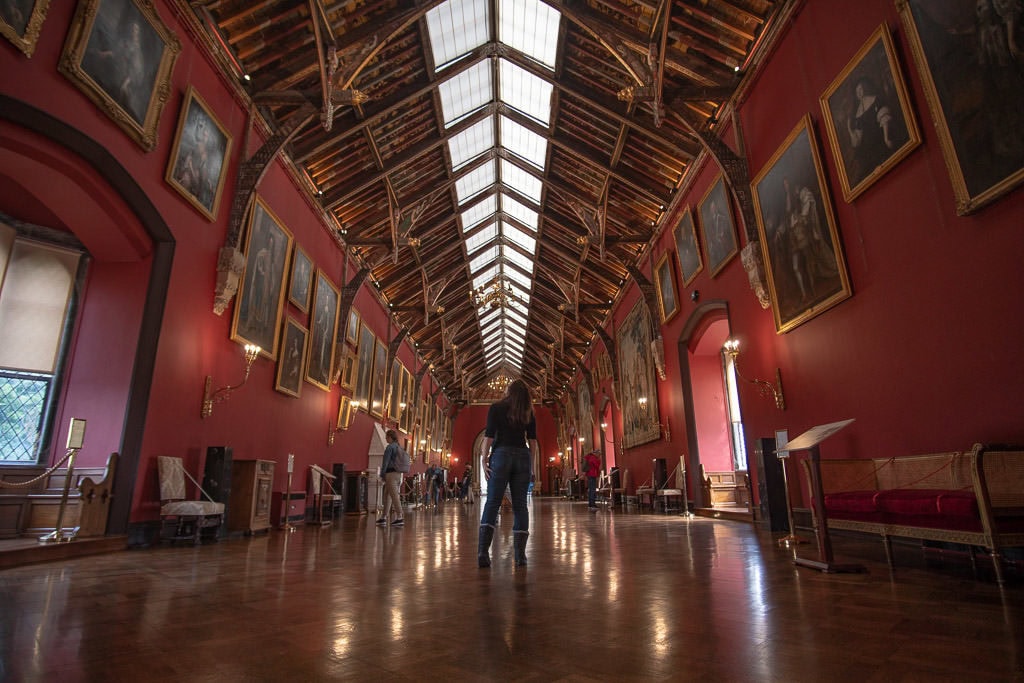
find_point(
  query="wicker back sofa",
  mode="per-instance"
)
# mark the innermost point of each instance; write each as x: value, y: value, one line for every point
x: 975, y: 498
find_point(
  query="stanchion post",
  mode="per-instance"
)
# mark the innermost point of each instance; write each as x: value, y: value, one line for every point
x: 76, y: 438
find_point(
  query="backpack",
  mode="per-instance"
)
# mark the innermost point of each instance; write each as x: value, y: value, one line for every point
x: 402, y: 461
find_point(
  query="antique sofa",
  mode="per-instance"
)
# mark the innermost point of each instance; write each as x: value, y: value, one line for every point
x: 974, y: 498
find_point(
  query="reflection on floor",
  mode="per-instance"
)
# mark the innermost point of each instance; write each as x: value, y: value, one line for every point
x: 607, y: 596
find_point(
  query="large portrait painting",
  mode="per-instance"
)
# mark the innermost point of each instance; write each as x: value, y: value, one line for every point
x: 687, y: 251
x: 806, y: 270
x: 585, y: 415
x: 301, y: 284
x: 868, y: 118
x: 364, y: 367
x: 21, y: 21
x: 199, y: 157
x: 715, y: 211
x: 970, y: 54
x: 665, y: 280
x: 636, y: 370
x: 120, y: 54
x: 258, y: 307
x: 323, y: 326
x: 380, y: 371
x: 291, y: 365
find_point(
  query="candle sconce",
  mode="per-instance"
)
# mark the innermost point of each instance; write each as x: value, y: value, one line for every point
x: 732, y: 348
x: 209, y: 399
x: 666, y: 428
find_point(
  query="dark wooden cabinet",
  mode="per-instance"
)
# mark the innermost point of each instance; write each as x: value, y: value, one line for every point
x: 252, y: 482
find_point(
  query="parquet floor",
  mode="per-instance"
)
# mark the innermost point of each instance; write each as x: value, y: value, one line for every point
x: 610, y: 596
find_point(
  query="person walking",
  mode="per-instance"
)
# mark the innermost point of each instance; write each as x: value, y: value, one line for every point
x: 390, y: 472
x: 509, y: 449
x: 592, y: 468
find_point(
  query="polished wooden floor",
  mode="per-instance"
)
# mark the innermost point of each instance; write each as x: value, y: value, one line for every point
x: 607, y: 596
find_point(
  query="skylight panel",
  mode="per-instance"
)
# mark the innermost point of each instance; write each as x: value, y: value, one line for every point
x: 486, y: 257
x: 514, y: 234
x: 519, y: 180
x: 479, y: 212
x: 523, y: 142
x: 524, y: 92
x: 482, y: 238
x: 471, y: 143
x: 466, y: 92
x: 486, y: 277
x: 518, y: 278
x: 519, y: 211
x: 469, y: 185
x: 529, y: 26
x: 520, y: 260
x: 456, y: 28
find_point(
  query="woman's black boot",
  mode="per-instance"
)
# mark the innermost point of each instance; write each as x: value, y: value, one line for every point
x: 483, y: 551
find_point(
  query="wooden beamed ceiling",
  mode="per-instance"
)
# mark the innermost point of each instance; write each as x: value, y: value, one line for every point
x: 378, y: 161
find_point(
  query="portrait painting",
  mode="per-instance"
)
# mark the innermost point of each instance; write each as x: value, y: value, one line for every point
x: 970, y: 55
x: 258, y: 306
x: 323, y: 326
x: 301, y: 284
x: 344, y: 412
x: 199, y: 157
x: 687, y: 251
x: 868, y: 117
x: 347, y: 377
x: 21, y: 21
x: 640, y: 423
x: 392, y: 406
x: 380, y: 371
x: 364, y: 367
x: 803, y: 254
x: 352, y: 328
x: 121, y: 54
x: 665, y: 280
x: 409, y: 412
x: 292, y: 363
x: 719, y: 231
x: 585, y: 415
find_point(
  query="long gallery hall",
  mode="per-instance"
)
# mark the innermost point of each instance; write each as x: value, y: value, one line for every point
x: 606, y: 596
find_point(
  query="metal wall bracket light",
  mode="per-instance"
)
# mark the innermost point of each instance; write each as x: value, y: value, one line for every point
x: 732, y: 348
x: 251, y: 353
x: 666, y: 429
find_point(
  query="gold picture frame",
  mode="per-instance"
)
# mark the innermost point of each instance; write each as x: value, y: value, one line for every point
x: 352, y: 326
x: 292, y: 364
x: 378, y: 388
x: 21, y: 22
x: 301, y: 281
x: 975, y: 102
x: 802, y: 250
x: 344, y: 412
x: 199, y: 158
x: 347, y: 379
x: 867, y: 115
x: 668, y: 296
x: 121, y: 55
x: 323, y: 326
x: 717, y: 226
x: 260, y: 301
x: 687, y: 250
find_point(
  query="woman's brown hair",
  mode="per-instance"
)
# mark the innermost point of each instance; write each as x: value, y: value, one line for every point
x: 520, y: 405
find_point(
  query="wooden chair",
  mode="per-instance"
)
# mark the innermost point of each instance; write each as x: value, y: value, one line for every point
x: 181, y: 519
x: 620, y: 491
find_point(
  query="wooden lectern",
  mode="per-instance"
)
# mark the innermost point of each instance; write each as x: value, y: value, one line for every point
x: 808, y: 441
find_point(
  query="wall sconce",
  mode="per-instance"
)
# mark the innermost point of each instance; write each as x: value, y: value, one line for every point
x: 604, y: 426
x: 732, y: 347
x: 251, y: 352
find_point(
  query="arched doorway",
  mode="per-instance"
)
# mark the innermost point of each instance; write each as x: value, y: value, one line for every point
x: 717, y: 462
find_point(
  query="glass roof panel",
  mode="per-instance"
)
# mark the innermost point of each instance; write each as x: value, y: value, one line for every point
x: 518, y: 278
x: 479, y: 212
x: 524, y: 92
x: 482, y: 238
x: 520, y: 260
x: 457, y: 27
x: 523, y: 142
x: 485, y: 257
x: 514, y: 234
x: 519, y: 211
x: 469, y: 185
x: 529, y: 26
x: 466, y: 92
x: 519, y: 180
x: 486, y: 277
x: 471, y: 142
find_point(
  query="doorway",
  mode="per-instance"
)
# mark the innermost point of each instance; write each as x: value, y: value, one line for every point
x: 718, y: 459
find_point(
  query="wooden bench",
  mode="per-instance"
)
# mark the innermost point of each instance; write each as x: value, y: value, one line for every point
x: 33, y: 510
x: 974, y: 498
x: 730, y: 488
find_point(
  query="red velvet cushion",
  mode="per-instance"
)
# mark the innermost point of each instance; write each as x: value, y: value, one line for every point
x: 958, y: 504
x: 851, y: 501
x: 909, y: 501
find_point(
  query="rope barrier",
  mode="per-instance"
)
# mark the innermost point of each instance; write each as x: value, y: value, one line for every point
x: 44, y: 475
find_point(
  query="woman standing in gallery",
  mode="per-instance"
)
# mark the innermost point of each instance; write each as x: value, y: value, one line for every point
x: 509, y: 449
